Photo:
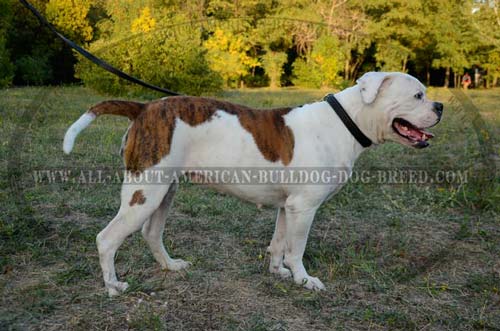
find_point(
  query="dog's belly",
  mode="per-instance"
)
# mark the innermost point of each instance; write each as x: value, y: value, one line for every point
x: 269, y: 195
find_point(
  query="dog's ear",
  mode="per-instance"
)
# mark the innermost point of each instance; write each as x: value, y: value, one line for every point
x: 370, y: 84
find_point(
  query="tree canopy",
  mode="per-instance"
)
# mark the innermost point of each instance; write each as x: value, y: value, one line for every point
x: 200, y: 47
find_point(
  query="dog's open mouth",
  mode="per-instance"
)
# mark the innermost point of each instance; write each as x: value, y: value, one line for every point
x: 413, y: 135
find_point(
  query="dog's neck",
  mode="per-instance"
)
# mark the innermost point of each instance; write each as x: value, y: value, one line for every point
x: 362, y: 114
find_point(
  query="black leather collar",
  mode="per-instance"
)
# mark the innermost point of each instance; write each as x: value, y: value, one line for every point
x: 348, y: 122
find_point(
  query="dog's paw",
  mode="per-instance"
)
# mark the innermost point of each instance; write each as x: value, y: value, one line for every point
x: 178, y: 264
x: 312, y: 283
x: 116, y: 288
x: 281, y: 271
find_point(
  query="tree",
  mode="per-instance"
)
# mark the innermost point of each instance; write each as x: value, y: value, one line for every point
x: 240, y: 38
x: 392, y: 55
x: 227, y: 55
x: 492, y: 66
x: 6, y: 66
x: 70, y: 17
x: 273, y: 64
x: 454, y: 35
x: 322, y: 66
x: 302, y: 29
x: 144, y: 23
x: 397, y: 27
x: 29, y: 52
x: 253, y: 41
x: 348, y: 21
x: 38, y: 57
x: 486, y: 22
x: 146, y: 46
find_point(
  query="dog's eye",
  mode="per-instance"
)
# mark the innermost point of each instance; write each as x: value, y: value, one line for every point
x: 419, y: 95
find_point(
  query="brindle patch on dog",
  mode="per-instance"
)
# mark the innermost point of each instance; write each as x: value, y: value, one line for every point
x: 150, y: 136
x: 138, y: 198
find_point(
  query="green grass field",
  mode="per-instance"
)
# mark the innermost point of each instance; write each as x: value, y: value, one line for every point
x: 393, y: 257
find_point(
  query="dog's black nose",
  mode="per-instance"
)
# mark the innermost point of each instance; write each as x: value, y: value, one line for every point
x: 438, y: 108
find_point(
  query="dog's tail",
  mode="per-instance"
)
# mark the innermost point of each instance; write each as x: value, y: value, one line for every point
x: 129, y: 109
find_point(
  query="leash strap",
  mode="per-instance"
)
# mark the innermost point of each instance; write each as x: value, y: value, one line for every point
x: 348, y: 122
x: 101, y: 63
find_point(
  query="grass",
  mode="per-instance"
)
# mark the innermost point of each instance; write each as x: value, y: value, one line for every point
x: 393, y: 257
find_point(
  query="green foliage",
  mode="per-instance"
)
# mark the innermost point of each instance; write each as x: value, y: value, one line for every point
x: 323, y: 65
x: 171, y: 43
x: 6, y: 67
x: 273, y: 64
x: 70, y: 17
x: 452, y: 33
x: 398, y: 27
x: 227, y: 55
x: 346, y: 20
x: 306, y: 74
x: 29, y: 53
x: 492, y: 65
x: 174, y: 61
x: 487, y: 51
x: 34, y: 70
x: 392, y: 56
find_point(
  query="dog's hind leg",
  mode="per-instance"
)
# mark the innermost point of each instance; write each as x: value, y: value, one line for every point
x: 152, y: 231
x: 277, y: 247
x: 138, y: 202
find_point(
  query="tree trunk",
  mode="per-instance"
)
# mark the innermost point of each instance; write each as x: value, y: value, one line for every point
x: 428, y: 76
x: 346, y: 70
x: 447, y: 78
x: 273, y: 81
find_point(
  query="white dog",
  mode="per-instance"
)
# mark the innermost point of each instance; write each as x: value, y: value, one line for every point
x: 192, y: 132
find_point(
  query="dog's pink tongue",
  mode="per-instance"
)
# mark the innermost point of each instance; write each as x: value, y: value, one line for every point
x: 413, y: 132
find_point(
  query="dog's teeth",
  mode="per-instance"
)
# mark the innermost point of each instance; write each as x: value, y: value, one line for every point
x: 424, y: 137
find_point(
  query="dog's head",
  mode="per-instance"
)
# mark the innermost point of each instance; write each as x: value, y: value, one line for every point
x: 400, y: 106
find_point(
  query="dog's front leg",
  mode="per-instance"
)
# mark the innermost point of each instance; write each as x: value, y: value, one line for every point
x: 298, y: 222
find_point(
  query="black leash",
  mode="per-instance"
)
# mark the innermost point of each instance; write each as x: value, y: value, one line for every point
x: 348, y: 122
x: 101, y: 63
